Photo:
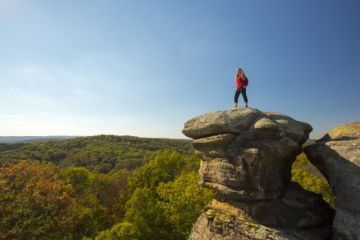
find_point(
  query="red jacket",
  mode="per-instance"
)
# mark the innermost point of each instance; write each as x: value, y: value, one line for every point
x: 241, y: 83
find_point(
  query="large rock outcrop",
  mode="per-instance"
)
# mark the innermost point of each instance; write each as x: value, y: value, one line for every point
x: 337, y: 156
x: 247, y: 157
x: 247, y: 154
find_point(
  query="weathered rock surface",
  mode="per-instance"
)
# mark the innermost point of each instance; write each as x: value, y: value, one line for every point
x: 235, y: 122
x: 231, y: 220
x: 247, y: 157
x: 247, y: 154
x: 337, y: 156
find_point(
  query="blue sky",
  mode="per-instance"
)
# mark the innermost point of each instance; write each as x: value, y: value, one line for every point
x: 143, y: 68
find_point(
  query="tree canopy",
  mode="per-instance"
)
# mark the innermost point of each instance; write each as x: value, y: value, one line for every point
x: 67, y: 190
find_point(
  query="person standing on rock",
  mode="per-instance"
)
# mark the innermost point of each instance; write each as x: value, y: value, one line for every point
x: 241, y: 84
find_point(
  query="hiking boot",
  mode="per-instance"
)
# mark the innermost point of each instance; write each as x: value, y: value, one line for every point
x: 235, y: 107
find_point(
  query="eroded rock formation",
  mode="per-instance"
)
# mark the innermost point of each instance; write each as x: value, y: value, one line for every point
x: 247, y: 157
x: 337, y: 156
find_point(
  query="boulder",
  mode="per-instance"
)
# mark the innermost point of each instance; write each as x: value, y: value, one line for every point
x: 296, y: 130
x: 215, y: 123
x: 337, y: 156
x: 247, y: 154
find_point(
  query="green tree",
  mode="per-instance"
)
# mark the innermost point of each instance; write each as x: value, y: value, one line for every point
x: 120, y: 231
x: 88, y: 213
x: 79, y: 179
x: 163, y: 168
x: 166, y: 199
x: 143, y: 212
x: 116, y: 194
x: 182, y: 201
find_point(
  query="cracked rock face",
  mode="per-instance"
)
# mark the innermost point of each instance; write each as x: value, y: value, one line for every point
x: 246, y: 154
x: 337, y: 156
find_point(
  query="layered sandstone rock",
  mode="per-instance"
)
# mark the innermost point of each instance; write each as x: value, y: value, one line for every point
x: 247, y: 156
x: 337, y: 156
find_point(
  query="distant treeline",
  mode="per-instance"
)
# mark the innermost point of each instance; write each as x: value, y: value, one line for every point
x: 16, y: 139
x: 103, y: 153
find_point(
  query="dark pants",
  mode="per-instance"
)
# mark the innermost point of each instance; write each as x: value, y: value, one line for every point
x: 243, y: 92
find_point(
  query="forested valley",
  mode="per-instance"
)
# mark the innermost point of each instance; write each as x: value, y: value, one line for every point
x: 109, y: 187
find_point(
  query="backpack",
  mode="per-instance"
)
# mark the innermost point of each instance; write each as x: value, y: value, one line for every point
x: 245, y: 81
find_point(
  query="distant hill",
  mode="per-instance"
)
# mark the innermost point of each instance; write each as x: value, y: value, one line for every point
x: 12, y: 139
x: 103, y: 153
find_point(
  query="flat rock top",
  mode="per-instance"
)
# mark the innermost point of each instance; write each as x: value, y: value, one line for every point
x: 344, y: 140
x: 347, y: 130
x: 214, y: 123
x: 246, y: 119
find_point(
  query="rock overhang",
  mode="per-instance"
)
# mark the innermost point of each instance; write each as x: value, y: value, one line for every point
x: 267, y: 125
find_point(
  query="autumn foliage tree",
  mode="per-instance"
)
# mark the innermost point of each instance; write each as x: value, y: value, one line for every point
x: 41, y: 201
x: 33, y: 202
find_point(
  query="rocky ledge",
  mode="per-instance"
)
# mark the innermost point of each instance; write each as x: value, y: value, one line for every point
x: 246, y: 157
x: 337, y: 156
